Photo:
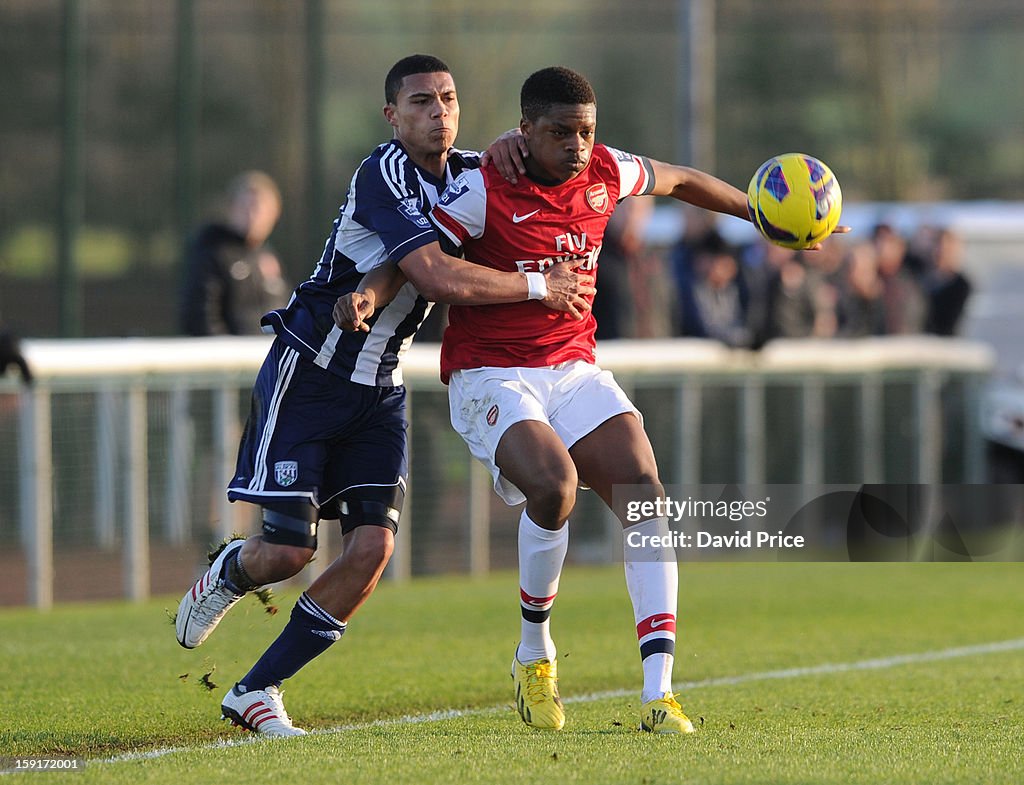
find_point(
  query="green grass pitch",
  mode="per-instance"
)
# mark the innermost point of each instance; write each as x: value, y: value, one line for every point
x: 793, y: 673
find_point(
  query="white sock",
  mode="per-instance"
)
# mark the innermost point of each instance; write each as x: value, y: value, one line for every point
x: 652, y: 578
x: 541, y: 554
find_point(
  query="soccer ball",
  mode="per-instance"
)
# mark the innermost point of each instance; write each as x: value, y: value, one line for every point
x: 794, y: 200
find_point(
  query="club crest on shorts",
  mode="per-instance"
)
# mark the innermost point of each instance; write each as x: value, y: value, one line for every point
x: 492, y: 415
x: 286, y: 472
x: 597, y: 197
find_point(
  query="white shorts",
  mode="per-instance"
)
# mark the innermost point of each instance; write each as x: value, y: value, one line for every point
x: 573, y: 398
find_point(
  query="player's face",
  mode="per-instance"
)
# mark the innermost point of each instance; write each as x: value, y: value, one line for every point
x: 425, y: 114
x: 560, y: 141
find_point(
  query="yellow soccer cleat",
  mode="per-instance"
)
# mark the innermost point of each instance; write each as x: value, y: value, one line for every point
x: 537, y: 694
x: 664, y: 715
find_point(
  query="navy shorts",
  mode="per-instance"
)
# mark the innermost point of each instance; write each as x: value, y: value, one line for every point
x: 313, y: 436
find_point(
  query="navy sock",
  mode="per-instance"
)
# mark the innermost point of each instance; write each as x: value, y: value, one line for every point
x: 235, y: 576
x: 309, y: 633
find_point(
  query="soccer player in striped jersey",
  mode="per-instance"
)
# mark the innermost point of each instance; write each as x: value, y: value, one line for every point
x: 326, y: 436
x: 525, y: 392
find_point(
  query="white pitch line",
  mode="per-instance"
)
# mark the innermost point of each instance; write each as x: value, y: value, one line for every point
x: 826, y: 669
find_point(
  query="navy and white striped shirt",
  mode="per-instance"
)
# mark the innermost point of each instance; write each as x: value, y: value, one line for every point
x: 382, y: 219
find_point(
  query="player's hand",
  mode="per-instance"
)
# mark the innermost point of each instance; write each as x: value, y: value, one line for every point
x: 507, y: 153
x: 352, y: 310
x: 837, y: 230
x: 566, y: 289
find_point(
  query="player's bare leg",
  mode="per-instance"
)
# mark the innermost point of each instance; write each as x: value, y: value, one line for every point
x: 618, y: 452
x: 243, y: 566
x: 532, y: 456
x: 318, y: 620
x: 351, y: 578
x: 342, y: 587
x: 267, y: 562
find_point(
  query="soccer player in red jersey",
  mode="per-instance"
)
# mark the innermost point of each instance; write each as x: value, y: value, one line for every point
x: 525, y: 392
x: 524, y: 389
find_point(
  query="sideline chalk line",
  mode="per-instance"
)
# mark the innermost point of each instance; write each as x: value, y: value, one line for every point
x: 878, y: 663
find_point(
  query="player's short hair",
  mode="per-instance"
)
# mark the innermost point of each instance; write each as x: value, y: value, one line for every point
x: 407, y: 66
x: 556, y: 85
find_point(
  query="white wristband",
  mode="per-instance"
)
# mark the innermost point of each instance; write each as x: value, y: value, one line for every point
x: 538, y: 285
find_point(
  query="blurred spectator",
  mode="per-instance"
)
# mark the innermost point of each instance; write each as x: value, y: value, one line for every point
x: 919, y: 250
x: 948, y: 288
x: 841, y: 290
x: 861, y: 307
x: 827, y: 269
x: 698, y: 225
x: 232, y: 278
x: 623, y: 244
x: 715, y: 303
x: 802, y: 302
x: 906, y: 307
x: 10, y: 355
x: 761, y: 263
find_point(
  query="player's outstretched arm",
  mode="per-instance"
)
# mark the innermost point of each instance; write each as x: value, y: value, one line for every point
x: 704, y: 190
x: 446, y: 279
x: 698, y: 188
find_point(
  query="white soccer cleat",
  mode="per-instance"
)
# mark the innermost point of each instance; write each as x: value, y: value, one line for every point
x: 261, y: 711
x: 205, y: 604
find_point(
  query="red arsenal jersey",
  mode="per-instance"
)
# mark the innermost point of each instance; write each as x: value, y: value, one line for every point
x: 526, y: 228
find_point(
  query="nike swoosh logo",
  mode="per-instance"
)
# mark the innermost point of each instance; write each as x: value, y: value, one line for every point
x: 517, y: 218
x: 658, y: 622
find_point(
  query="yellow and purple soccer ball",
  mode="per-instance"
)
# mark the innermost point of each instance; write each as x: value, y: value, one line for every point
x: 794, y: 200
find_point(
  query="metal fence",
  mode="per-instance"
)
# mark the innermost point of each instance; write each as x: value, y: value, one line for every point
x: 117, y: 458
